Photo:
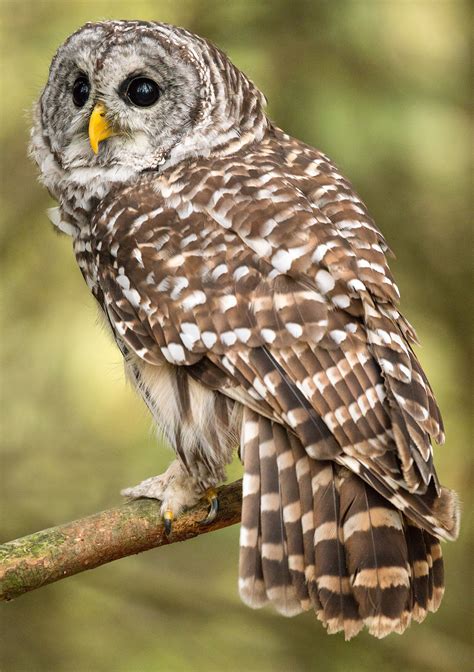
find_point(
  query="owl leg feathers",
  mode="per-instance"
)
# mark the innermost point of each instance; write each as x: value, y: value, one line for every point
x: 316, y: 536
x: 200, y: 426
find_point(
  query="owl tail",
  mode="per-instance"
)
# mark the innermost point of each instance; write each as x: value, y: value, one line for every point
x: 314, y: 535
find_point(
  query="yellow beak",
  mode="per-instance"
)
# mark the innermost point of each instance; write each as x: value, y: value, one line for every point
x: 99, y: 127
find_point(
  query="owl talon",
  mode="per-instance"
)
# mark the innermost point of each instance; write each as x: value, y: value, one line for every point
x: 213, y: 499
x: 168, y: 522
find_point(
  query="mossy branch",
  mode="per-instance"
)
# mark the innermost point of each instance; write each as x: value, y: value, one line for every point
x: 53, y: 554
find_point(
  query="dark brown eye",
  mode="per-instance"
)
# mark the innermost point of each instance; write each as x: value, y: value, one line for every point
x: 81, y: 91
x: 142, y: 92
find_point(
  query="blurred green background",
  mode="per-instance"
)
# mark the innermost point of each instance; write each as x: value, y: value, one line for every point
x: 382, y: 87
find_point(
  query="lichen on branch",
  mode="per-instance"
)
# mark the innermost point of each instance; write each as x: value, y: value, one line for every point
x: 136, y: 526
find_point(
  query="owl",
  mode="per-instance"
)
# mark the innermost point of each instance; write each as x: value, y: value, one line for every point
x: 248, y: 290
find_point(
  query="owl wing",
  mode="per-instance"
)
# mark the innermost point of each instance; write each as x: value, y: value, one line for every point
x: 285, y: 307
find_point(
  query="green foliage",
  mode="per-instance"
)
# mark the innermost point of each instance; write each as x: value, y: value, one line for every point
x: 382, y: 88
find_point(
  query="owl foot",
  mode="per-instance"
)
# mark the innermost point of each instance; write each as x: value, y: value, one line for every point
x: 213, y: 499
x: 168, y: 521
x: 176, y: 490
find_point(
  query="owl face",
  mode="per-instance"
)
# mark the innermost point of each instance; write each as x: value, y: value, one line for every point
x: 121, y: 94
x: 125, y: 97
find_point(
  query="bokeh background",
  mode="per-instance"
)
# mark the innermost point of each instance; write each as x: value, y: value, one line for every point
x: 382, y: 87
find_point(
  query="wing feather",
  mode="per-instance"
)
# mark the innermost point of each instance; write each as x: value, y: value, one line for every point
x: 285, y: 291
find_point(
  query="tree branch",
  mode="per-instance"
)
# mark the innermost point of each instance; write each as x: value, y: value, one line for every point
x: 50, y: 555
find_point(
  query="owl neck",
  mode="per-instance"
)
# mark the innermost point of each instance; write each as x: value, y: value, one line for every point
x: 80, y: 190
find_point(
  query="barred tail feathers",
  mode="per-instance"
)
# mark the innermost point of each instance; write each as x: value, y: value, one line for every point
x: 377, y: 557
x: 339, y: 609
x: 251, y: 582
x: 314, y: 535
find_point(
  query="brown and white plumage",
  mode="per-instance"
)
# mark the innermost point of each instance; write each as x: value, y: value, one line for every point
x: 249, y: 291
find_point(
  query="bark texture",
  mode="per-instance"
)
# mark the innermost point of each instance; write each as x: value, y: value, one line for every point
x: 53, y: 554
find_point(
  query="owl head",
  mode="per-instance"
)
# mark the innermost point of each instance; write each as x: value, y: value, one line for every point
x: 131, y: 96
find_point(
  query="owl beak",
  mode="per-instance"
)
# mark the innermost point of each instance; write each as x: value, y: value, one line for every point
x: 99, y: 127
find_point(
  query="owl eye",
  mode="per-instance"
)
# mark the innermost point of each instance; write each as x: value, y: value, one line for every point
x: 80, y: 91
x: 142, y: 92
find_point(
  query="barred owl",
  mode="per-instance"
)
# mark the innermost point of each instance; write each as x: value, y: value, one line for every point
x: 248, y: 290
